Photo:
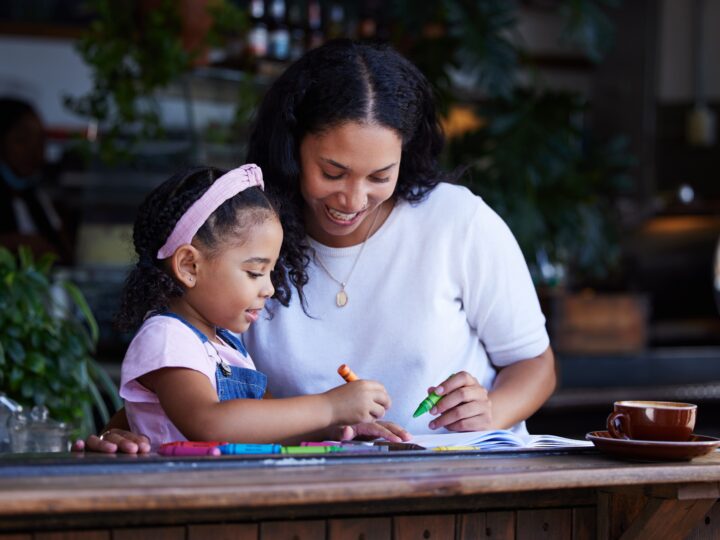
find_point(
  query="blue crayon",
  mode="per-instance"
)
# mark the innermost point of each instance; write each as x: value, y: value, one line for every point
x: 238, y: 448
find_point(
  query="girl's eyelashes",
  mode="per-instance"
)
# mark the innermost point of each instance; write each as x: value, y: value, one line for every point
x: 380, y: 180
x: 332, y: 177
x: 254, y: 275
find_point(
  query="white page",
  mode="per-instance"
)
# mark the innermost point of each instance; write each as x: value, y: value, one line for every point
x: 499, y: 438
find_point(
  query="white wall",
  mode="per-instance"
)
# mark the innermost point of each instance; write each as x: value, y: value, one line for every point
x: 42, y: 71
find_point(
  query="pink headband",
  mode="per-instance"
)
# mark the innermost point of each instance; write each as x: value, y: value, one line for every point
x: 225, y: 187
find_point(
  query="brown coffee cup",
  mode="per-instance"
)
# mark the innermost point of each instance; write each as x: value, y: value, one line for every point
x: 652, y: 420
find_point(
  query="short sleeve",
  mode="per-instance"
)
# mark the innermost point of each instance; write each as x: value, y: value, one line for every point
x: 160, y: 343
x: 498, y: 293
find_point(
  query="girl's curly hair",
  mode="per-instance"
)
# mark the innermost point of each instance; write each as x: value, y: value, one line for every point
x: 149, y: 287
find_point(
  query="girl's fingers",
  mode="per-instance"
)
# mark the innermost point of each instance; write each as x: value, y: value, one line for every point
x: 116, y: 440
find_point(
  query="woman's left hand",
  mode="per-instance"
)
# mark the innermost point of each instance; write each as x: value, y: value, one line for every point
x: 374, y: 430
x: 465, y: 404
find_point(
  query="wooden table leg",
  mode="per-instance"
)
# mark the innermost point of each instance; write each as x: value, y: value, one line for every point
x: 671, y: 512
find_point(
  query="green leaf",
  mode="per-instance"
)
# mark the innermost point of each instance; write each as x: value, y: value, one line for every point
x: 79, y: 299
x: 7, y: 260
x: 99, y: 374
x: 36, y: 362
x: 16, y: 351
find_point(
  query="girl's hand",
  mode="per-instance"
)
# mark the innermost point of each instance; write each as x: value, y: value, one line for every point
x: 113, y: 441
x: 375, y: 430
x: 358, y: 402
x: 465, y: 405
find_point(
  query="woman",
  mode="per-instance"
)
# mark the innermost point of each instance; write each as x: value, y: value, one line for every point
x: 412, y: 281
x: 27, y: 214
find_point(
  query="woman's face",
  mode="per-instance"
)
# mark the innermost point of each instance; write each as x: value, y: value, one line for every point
x: 348, y: 173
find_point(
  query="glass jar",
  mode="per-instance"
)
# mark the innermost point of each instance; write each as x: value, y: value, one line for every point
x: 7, y: 408
x: 37, y: 432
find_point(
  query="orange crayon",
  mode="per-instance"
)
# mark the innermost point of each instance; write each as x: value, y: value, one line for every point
x: 347, y: 373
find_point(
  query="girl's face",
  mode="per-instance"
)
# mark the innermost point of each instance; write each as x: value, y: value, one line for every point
x: 229, y: 290
x: 348, y: 173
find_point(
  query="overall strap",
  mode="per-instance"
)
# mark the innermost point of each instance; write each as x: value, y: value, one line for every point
x: 231, y: 339
x: 198, y: 333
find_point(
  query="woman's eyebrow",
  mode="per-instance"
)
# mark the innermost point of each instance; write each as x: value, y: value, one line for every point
x: 345, y: 167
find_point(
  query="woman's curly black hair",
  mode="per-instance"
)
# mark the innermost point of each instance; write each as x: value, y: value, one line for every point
x: 343, y: 81
x: 149, y: 287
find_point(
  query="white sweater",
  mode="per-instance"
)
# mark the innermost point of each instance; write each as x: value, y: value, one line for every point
x: 441, y: 287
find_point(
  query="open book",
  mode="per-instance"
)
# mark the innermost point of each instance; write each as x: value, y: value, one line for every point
x: 499, y: 439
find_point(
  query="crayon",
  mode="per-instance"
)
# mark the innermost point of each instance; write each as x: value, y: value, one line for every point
x: 361, y: 448
x: 323, y: 443
x: 194, y: 444
x: 188, y: 451
x: 428, y: 403
x: 295, y: 450
x: 396, y: 446
x: 454, y: 448
x: 238, y: 448
x: 347, y: 373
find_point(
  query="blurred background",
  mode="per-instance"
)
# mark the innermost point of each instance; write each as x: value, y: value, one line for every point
x: 589, y: 125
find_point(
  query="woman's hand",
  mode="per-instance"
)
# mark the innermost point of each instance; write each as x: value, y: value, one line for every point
x: 465, y: 404
x: 375, y: 430
x: 113, y: 441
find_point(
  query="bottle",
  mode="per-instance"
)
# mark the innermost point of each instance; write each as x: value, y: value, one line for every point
x: 337, y: 21
x: 258, y: 36
x: 315, y: 36
x: 297, y: 30
x: 279, y: 32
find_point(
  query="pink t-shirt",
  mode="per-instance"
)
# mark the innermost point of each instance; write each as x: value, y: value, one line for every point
x: 164, y: 342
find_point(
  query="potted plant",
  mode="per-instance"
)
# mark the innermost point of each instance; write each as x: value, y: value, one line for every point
x: 47, y: 338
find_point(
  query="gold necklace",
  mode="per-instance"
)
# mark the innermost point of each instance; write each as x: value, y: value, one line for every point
x: 341, y: 298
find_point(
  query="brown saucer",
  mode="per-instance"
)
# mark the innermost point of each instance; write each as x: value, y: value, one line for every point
x: 698, y: 445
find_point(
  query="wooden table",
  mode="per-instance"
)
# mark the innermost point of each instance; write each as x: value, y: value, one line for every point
x: 576, y: 495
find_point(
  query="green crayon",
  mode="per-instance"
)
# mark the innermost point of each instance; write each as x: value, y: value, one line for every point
x: 427, y: 404
x: 303, y: 450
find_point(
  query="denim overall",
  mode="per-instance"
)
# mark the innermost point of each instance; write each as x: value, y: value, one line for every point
x: 232, y: 382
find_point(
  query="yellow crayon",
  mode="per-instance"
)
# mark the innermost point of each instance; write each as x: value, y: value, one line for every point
x: 454, y: 448
x: 347, y: 373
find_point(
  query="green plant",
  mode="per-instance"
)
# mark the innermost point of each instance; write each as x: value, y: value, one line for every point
x: 46, y: 344
x: 531, y: 157
x: 134, y: 49
x: 552, y: 183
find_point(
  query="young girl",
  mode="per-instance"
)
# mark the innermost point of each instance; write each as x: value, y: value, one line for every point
x: 207, y: 244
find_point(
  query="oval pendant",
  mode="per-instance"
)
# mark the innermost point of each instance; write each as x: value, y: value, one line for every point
x: 341, y: 298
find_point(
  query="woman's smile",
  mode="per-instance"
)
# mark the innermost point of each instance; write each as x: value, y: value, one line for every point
x: 343, y: 218
x: 349, y: 172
